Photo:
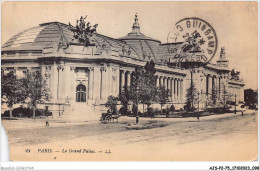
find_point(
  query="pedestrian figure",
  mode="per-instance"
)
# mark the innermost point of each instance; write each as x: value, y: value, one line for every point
x: 198, y: 115
x: 47, y: 123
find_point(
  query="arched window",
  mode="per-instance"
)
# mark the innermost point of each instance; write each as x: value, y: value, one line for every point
x: 81, y: 93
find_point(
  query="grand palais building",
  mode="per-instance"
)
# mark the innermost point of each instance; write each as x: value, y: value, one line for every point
x: 83, y: 77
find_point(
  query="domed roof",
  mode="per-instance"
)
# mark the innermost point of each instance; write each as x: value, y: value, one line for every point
x: 136, y: 34
x: 146, y: 46
x: 36, y: 38
x: 54, y: 34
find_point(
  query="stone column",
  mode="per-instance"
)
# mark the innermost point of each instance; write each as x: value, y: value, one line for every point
x: 122, y: 80
x: 66, y: 82
x: 209, y: 85
x: 157, y: 81
x: 97, y: 82
x: 54, y: 81
x: 203, y: 85
x: 216, y: 86
x: 109, y: 81
x: 104, y: 73
x: 181, y: 89
x: 16, y: 72
x: 161, y: 81
x: 175, y: 89
x: 115, y: 78
x: 172, y: 89
x: 4, y: 70
x: 73, y: 83
x: 47, y: 75
x: 220, y: 87
x: 128, y: 78
x: 90, y: 82
x: 60, y: 69
x: 164, y: 82
x: 103, y: 83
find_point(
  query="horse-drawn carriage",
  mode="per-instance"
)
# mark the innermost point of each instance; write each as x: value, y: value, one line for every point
x: 109, y: 116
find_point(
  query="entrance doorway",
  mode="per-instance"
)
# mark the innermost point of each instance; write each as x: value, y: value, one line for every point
x: 81, y: 93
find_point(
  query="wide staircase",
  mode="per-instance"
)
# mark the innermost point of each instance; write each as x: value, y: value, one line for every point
x: 80, y: 112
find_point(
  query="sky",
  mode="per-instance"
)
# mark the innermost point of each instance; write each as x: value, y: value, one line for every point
x: 235, y: 23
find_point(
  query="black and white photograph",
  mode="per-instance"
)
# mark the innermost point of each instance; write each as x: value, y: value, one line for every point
x: 130, y: 81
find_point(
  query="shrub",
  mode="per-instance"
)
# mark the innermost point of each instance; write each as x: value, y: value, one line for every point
x: 134, y: 109
x: 172, y: 108
x: 123, y: 111
x: 150, y: 110
x: 156, y: 111
x: 27, y: 112
x: 164, y: 111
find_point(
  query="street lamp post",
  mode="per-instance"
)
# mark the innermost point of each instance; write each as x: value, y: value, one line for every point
x: 198, y: 116
x: 235, y: 104
x: 137, y: 117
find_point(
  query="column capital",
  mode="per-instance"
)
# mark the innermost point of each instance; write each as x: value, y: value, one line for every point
x: 47, y: 67
x: 114, y: 69
x: 28, y: 69
x: 47, y: 71
x: 4, y: 68
x: 123, y: 71
x: 91, y: 68
x: 60, y: 67
x: 114, y: 77
x: 72, y: 68
x: 103, y: 69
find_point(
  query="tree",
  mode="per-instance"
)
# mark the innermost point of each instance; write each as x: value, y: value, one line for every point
x: 162, y: 95
x: 135, y: 88
x: 250, y: 97
x: 191, y: 95
x: 226, y: 96
x: 111, y: 103
x: 214, y: 97
x: 148, y: 93
x: 36, y: 89
x: 12, y: 89
x: 125, y: 98
x: 144, y: 84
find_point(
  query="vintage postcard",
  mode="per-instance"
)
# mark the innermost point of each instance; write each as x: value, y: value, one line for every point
x: 130, y: 81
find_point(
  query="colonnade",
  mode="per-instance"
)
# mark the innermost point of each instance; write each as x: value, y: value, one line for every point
x: 64, y: 79
x: 174, y: 85
x: 125, y: 79
x: 215, y: 84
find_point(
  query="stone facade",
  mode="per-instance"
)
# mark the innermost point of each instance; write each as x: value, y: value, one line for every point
x: 88, y: 75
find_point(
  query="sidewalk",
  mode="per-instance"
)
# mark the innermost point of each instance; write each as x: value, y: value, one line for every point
x: 26, y: 123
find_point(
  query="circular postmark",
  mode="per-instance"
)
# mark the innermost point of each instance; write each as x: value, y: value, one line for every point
x: 192, y: 40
